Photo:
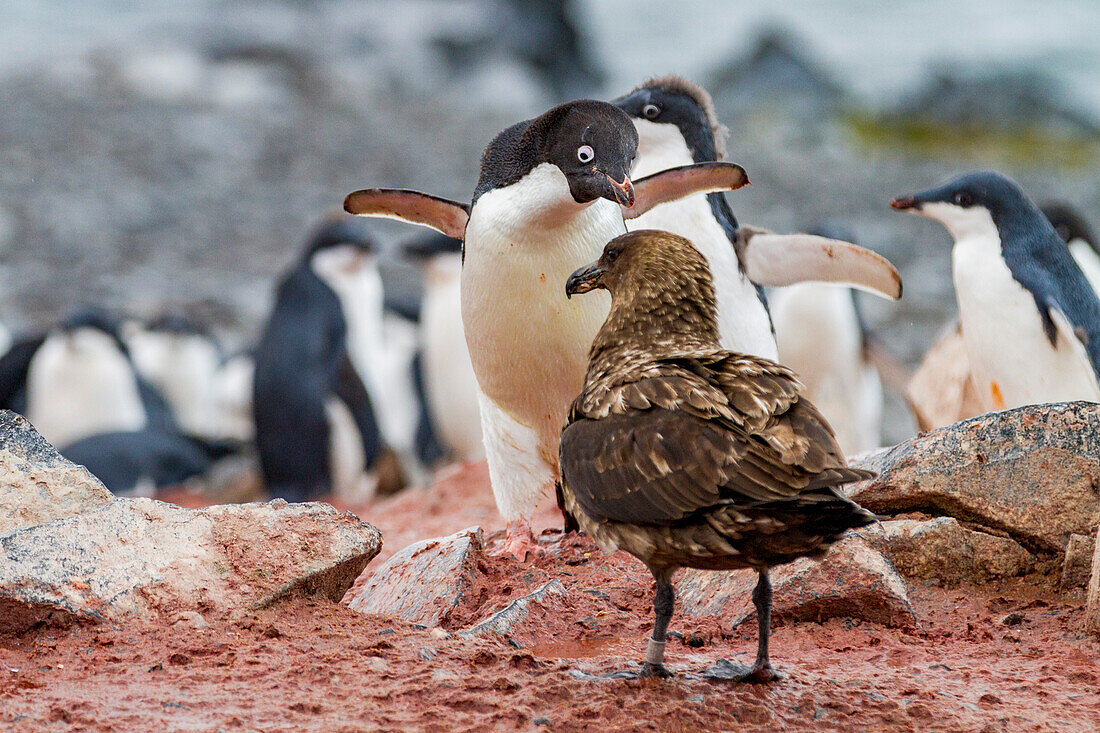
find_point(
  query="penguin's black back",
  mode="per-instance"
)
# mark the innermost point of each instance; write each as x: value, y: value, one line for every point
x: 122, y: 460
x: 301, y: 361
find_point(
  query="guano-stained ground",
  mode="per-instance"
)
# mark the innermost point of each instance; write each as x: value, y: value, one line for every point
x: 317, y: 665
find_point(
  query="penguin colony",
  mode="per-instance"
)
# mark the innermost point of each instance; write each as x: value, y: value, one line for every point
x: 678, y: 408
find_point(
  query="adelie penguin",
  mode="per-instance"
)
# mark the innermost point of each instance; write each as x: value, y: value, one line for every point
x: 316, y: 428
x: 77, y: 380
x: 677, y: 125
x: 1030, y: 320
x: 688, y: 455
x: 822, y: 335
x: 1076, y: 232
x: 552, y: 191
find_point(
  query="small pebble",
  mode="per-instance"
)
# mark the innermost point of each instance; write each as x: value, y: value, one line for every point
x: 438, y: 633
x: 1014, y: 619
x: 540, y: 721
x: 377, y: 664
x: 427, y: 653
x: 386, y: 632
x: 194, y: 619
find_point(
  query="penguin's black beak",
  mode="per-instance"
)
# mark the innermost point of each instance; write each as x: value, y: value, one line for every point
x: 623, y: 191
x: 585, y: 279
x: 906, y: 203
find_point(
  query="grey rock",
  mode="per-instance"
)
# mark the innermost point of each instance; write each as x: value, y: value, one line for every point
x: 1032, y: 472
x: 944, y: 549
x: 853, y: 580
x: 142, y: 557
x: 38, y: 485
x: 424, y: 582
x: 1077, y: 564
x: 504, y: 621
x: 1092, y: 604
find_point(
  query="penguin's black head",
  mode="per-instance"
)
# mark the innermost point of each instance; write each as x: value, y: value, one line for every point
x: 430, y: 245
x: 593, y: 144
x: 972, y: 203
x: 1069, y: 224
x: 673, y: 101
x: 94, y: 318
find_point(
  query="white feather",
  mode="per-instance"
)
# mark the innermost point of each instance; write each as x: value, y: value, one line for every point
x: 233, y: 398
x: 1088, y: 261
x: 819, y: 338
x: 80, y: 384
x: 182, y: 368
x: 743, y: 323
x: 448, y: 373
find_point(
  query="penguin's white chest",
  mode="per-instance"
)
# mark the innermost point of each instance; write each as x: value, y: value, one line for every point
x: 528, y: 343
x: 1012, y: 360
x: 743, y: 322
x: 81, y: 384
x: 183, y: 368
x: 819, y: 338
x: 450, y: 385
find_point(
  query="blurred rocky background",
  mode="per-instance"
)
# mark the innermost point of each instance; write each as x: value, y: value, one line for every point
x: 157, y: 154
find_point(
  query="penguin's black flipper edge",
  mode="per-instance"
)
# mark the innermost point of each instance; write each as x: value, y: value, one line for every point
x: 676, y: 183
x: 443, y: 215
x: 349, y: 388
x: 777, y: 260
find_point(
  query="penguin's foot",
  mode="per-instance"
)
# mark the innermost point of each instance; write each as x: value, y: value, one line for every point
x: 518, y: 541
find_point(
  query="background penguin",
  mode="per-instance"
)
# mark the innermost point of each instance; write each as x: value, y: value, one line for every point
x: 232, y: 397
x: 823, y: 338
x: 677, y: 125
x: 77, y: 380
x: 1075, y: 232
x: 316, y: 429
x: 449, y: 384
x: 552, y: 191
x: 1030, y: 320
x: 180, y: 358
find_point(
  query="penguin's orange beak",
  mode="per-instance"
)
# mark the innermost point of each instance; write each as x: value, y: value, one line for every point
x: 905, y: 203
x: 624, y: 190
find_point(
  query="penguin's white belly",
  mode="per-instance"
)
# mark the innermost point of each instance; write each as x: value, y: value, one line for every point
x: 182, y: 368
x: 81, y: 385
x: 347, y: 461
x: 1012, y: 361
x: 449, y: 382
x: 819, y: 338
x: 528, y: 343
x: 1088, y: 261
x: 393, y: 393
x: 233, y: 399
x: 743, y: 322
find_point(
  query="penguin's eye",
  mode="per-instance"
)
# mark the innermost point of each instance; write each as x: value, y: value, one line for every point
x: 651, y: 111
x: 585, y: 153
x: 963, y: 199
x: 610, y: 255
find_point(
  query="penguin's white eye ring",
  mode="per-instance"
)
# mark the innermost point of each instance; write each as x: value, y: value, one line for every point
x: 651, y: 111
x: 586, y: 154
x: 963, y: 199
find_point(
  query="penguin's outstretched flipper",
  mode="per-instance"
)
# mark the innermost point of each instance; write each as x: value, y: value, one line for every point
x: 414, y: 207
x: 676, y: 183
x: 785, y: 259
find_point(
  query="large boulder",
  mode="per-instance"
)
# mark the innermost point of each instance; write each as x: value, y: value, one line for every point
x: 1033, y: 472
x: 853, y: 580
x: 140, y: 556
x: 36, y: 483
x: 943, y: 549
x: 424, y: 582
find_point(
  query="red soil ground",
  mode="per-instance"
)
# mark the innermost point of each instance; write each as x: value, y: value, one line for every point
x: 317, y: 665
